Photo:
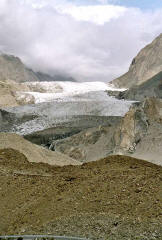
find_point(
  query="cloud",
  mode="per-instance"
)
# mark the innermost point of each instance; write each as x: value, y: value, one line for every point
x: 89, y: 43
x: 108, y: 1
x: 97, y: 14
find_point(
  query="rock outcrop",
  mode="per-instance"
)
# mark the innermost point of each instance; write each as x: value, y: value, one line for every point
x: 146, y: 65
x: 139, y: 129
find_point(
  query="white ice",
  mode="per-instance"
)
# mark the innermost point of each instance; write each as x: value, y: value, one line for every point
x: 60, y: 91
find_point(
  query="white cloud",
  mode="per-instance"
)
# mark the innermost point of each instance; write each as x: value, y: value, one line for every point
x: 88, y: 43
x: 98, y: 14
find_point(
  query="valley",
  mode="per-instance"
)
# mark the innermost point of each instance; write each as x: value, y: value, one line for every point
x: 82, y: 158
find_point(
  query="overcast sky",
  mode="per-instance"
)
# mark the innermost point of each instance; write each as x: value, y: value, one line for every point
x: 90, y: 40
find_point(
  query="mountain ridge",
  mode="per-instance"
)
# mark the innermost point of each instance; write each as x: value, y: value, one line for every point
x: 12, y: 68
x: 144, y: 66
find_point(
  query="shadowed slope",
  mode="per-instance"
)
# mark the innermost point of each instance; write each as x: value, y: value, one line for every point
x: 150, y: 88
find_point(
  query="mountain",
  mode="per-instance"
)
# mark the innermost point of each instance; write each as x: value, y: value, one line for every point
x: 150, y: 88
x: 146, y: 65
x: 12, y: 68
x: 16, y: 79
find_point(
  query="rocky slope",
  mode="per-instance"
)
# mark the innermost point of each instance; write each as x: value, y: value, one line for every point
x: 114, y: 198
x: 140, y: 132
x: 33, y: 152
x: 10, y: 94
x: 150, y: 88
x: 146, y: 65
x: 133, y: 135
x: 88, y: 145
x: 12, y: 68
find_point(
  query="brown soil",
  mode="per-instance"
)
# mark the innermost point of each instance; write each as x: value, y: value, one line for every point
x: 115, y: 198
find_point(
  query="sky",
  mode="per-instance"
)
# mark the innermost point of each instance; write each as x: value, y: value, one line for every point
x: 142, y: 4
x: 89, y: 40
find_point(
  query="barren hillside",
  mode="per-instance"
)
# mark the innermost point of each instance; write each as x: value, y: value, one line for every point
x: 115, y: 198
x: 33, y: 152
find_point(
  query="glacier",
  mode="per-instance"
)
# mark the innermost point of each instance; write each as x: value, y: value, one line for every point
x: 63, y: 91
x: 85, y: 104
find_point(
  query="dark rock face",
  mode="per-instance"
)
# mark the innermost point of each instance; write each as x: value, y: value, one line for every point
x: 146, y: 65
